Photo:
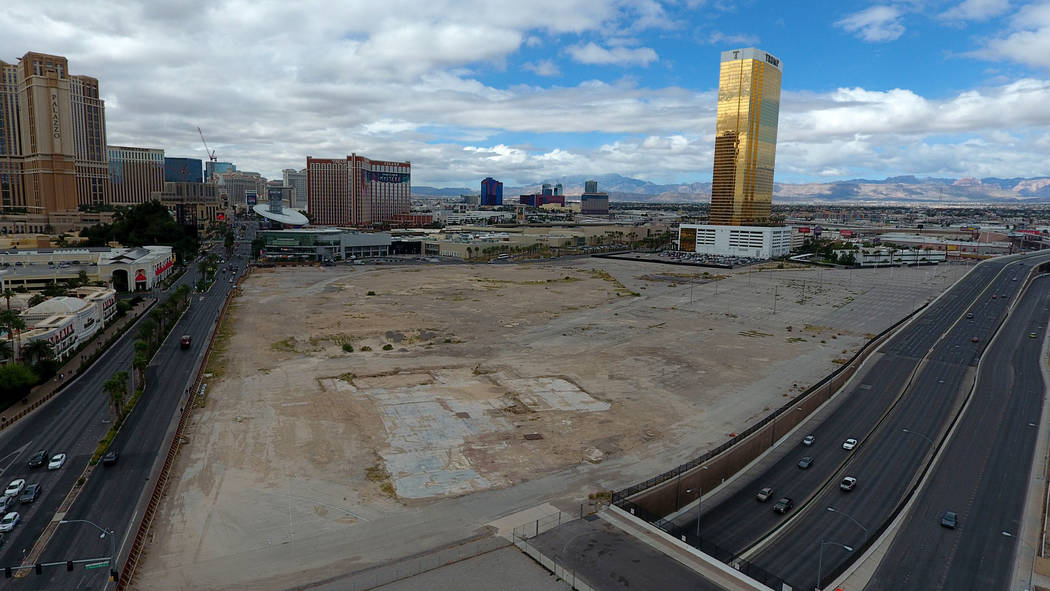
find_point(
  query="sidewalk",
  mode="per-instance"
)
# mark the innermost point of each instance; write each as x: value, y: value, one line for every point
x: 73, y: 366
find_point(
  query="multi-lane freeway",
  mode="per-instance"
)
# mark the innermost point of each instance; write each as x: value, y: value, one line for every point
x: 898, y: 409
x: 74, y: 421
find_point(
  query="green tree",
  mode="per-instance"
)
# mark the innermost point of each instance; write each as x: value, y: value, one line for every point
x: 116, y: 388
x: 12, y: 321
x: 16, y: 380
x: 8, y: 293
x: 6, y: 350
x: 37, y: 350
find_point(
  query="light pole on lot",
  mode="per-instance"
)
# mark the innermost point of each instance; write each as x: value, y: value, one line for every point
x: 699, y: 503
x: 820, y: 558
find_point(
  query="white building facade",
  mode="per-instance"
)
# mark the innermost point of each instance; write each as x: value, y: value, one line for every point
x: 761, y: 242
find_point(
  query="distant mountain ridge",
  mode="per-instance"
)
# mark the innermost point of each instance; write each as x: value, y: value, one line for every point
x: 894, y: 190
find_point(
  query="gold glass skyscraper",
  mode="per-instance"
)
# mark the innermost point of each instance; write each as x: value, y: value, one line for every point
x: 745, y: 138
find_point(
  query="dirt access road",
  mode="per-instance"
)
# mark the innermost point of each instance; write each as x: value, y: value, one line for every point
x: 357, y: 415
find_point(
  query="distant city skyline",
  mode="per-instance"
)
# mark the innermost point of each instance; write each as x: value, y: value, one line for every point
x: 555, y: 88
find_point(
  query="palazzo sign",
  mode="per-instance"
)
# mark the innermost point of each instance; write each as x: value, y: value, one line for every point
x: 56, y: 125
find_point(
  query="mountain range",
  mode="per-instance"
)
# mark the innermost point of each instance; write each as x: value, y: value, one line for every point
x: 898, y: 190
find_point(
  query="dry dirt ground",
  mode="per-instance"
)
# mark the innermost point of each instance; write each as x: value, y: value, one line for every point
x: 341, y: 397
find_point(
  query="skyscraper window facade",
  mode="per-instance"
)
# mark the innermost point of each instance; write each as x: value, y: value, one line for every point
x: 134, y: 174
x: 491, y: 192
x: 745, y: 137
x: 357, y: 191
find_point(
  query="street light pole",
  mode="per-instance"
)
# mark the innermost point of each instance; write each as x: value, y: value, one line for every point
x: 105, y: 532
x: 820, y: 559
x: 850, y: 517
x: 909, y: 431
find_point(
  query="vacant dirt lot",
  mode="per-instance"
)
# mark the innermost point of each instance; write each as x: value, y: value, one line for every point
x: 345, y: 401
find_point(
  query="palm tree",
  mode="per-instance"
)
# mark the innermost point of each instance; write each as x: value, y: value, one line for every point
x: 37, y: 350
x: 116, y: 388
x: 7, y: 295
x: 13, y: 321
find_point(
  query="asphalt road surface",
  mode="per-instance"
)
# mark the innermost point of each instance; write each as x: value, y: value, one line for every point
x: 983, y: 473
x: 917, y: 383
x: 74, y: 421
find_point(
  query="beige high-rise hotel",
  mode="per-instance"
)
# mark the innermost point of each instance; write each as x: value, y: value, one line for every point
x: 52, y: 137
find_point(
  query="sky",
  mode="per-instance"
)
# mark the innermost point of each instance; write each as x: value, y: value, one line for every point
x: 541, y: 89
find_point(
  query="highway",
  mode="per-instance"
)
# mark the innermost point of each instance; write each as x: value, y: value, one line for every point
x: 983, y: 472
x: 74, y: 421
x: 915, y: 382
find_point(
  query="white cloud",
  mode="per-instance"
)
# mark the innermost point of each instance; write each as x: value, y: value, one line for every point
x: 543, y: 68
x: 621, y: 56
x: 1028, y: 40
x: 737, y: 40
x: 976, y: 10
x: 877, y: 24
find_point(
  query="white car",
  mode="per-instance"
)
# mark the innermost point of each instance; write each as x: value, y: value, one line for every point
x: 9, y: 521
x: 57, y: 461
x: 15, y: 488
x: 849, y: 444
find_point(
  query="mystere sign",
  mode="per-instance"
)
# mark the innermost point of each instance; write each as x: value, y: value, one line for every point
x: 387, y: 177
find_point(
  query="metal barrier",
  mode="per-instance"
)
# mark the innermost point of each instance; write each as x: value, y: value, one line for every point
x: 524, y: 532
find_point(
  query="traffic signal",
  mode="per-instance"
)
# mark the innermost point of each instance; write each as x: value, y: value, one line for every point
x: 69, y: 565
x: 39, y: 569
x: 114, y: 576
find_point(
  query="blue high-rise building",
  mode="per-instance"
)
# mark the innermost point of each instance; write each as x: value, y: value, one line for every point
x: 213, y: 168
x: 491, y: 192
x: 183, y: 170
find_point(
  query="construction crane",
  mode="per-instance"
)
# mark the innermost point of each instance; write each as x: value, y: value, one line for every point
x: 211, y: 153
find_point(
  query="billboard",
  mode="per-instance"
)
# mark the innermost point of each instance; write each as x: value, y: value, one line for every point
x: 251, y: 198
x: 803, y: 230
x: 274, y: 194
x: 846, y: 233
x: 687, y: 239
x: 387, y: 177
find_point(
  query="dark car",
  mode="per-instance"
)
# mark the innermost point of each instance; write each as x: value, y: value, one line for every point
x: 783, y: 505
x: 30, y: 493
x: 39, y: 459
x: 110, y: 458
x: 949, y: 520
x: 805, y: 462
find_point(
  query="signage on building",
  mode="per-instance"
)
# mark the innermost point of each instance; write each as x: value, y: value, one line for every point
x: 803, y: 230
x: 251, y: 198
x: 56, y: 122
x: 846, y: 233
x: 274, y: 193
x: 387, y: 177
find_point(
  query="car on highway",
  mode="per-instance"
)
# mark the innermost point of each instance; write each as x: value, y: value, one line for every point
x: 15, y: 488
x: 30, y: 493
x: 57, y: 461
x: 949, y: 520
x: 808, y: 440
x: 849, y: 443
x: 764, y: 494
x: 848, y: 483
x: 969, y: 315
x: 9, y: 521
x: 184, y: 342
x: 974, y: 339
x: 5, y: 503
x: 783, y: 505
x: 805, y: 462
x: 37, y: 460
x: 110, y: 458
x: 994, y: 296
x: 1032, y: 335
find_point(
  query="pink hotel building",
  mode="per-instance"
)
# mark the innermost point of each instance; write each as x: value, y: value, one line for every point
x: 357, y: 191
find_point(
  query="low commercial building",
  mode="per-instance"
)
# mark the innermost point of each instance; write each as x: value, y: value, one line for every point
x: 884, y: 256
x: 323, y: 244
x: 59, y: 330
x: 123, y: 269
x: 87, y: 318
x: 104, y: 298
x: 760, y: 242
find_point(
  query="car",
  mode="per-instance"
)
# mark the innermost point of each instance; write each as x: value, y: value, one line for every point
x: 110, y: 458
x: 848, y: 483
x: 783, y: 505
x: 9, y: 521
x: 849, y: 443
x: 969, y: 315
x: 185, y: 341
x: 1032, y: 335
x: 805, y: 462
x: 764, y: 494
x: 974, y: 339
x: 949, y: 520
x: 30, y: 493
x: 994, y: 296
x: 57, y: 461
x: 808, y: 440
x: 1014, y: 279
x: 15, y: 488
x: 5, y: 503
x: 37, y: 460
